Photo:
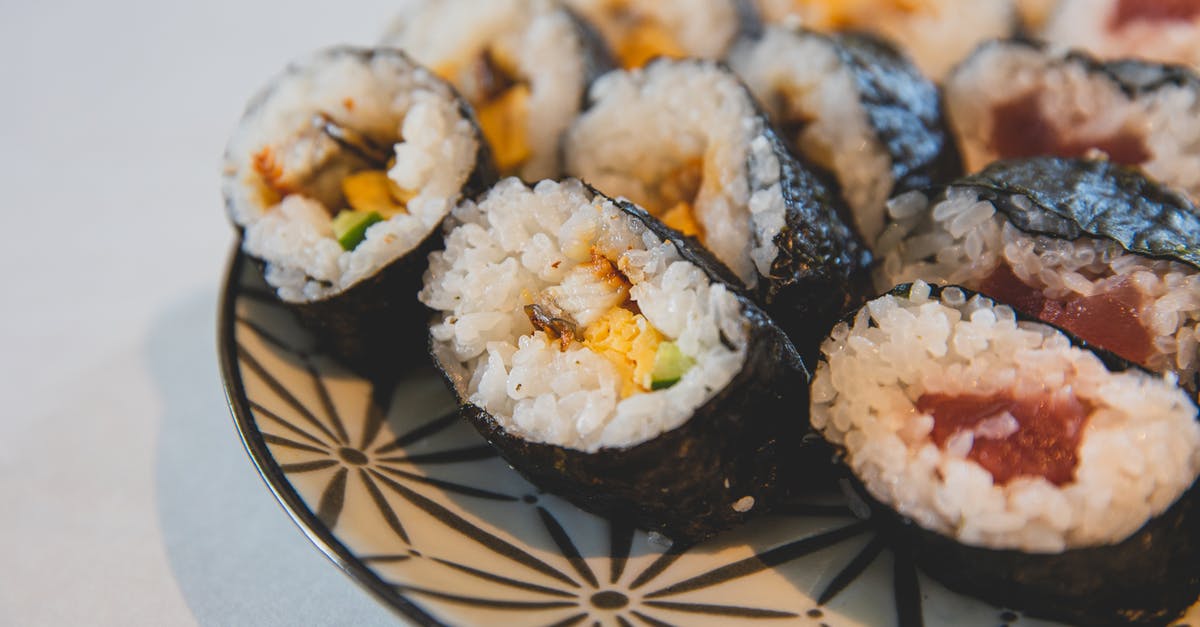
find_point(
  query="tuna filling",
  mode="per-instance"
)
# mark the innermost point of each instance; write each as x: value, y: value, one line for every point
x: 1021, y: 129
x: 1011, y: 437
x: 1130, y: 11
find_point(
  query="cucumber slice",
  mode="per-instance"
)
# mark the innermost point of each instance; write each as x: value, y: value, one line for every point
x: 670, y: 364
x: 350, y: 227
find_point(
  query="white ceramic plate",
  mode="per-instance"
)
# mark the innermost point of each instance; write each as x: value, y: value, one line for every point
x: 415, y: 506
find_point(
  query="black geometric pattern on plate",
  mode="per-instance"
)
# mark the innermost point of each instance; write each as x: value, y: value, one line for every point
x: 414, y: 505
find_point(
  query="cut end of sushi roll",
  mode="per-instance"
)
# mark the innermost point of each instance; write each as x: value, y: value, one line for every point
x: 607, y: 365
x: 1000, y: 433
x: 1167, y: 31
x: 639, y: 32
x: 854, y: 106
x: 522, y: 64
x: 1096, y: 249
x: 1015, y: 99
x: 345, y: 163
x: 937, y: 33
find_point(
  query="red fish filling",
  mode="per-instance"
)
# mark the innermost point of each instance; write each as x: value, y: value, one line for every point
x: 1045, y: 443
x: 1110, y: 320
x: 1129, y: 11
x: 1021, y: 129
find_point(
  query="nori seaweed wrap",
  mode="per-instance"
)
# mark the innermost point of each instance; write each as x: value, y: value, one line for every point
x: 854, y: 105
x: 1021, y: 465
x: 1014, y: 99
x: 339, y: 176
x: 686, y: 141
x: 1090, y: 246
x: 523, y: 65
x: 609, y: 362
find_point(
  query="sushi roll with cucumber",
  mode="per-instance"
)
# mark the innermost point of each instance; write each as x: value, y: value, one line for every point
x: 609, y: 362
x: 522, y: 64
x: 1167, y: 31
x: 1015, y: 99
x: 937, y: 34
x: 338, y: 176
x: 1092, y: 247
x: 1033, y: 471
x: 855, y: 106
x: 638, y: 31
x: 686, y: 141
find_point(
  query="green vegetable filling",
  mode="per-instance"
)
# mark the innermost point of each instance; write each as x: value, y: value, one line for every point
x: 350, y: 227
x: 670, y: 364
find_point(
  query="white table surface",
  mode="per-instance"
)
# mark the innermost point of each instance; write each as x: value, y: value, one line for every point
x: 125, y: 495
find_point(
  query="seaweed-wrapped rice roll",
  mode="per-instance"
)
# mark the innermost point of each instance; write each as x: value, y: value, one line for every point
x: 686, y: 141
x: 638, y: 31
x: 522, y: 64
x: 1167, y: 31
x: 1036, y: 473
x: 339, y: 175
x: 1014, y: 99
x: 855, y: 106
x: 936, y: 33
x: 1089, y: 246
x: 609, y: 363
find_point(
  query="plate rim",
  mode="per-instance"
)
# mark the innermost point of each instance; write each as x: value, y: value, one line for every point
x: 268, y: 469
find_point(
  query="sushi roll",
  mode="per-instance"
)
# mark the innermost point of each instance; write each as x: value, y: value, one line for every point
x: 1016, y: 99
x: 1086, y: 245
x: 685, y: 140
x: 522, y: 64
x: 1167, y: 31
x: 852, y: 104
x: 609, y: 363
x: 936, y: 33
x: 1032, y: 471
x: 338, y: 176
x: 637, y: 31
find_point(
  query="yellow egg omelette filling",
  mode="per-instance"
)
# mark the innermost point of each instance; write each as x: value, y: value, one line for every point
x: 841, y: 14
x: 629, y: 342
x: 493, y: 85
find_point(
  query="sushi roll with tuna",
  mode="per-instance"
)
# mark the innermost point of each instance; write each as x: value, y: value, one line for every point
x: 338, y: 176
x: 1167, y: 31
x: 1016, y: 99
x: 1034, y: 472
x: 1086, y: 245
x: 522, y: 64
x: 936, y: 33
x: 609, y: 363
x: 855, y: 106
x: 686, y: 141
x: 638, y: 31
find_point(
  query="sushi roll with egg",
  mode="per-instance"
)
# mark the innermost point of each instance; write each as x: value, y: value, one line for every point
x: 609, y: 362
x: 1032, y: 471
x: 1015, y: 99
x: 338, y: 177
x: 686, y: 141
x: 855, y: 106
x: 522, y: 64
x: 1089, y: 246
x: 1166, y: 31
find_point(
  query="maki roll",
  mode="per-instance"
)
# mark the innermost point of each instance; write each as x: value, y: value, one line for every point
x: 1167, y: 31
x: 855, y: 106
x: 686, y: 141
x: 339, y: 175
x: 936, y: 33
x: 1016, y: 99
x: 1086, y: 245
x: 637, y: 31
x: 522, y: 64
x: 608, y: 362
x: 1034, y: 472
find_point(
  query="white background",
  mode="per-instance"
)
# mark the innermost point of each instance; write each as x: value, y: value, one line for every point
x: 125, y: 496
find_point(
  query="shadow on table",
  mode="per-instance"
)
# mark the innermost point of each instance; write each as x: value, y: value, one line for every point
x: 235, y: 555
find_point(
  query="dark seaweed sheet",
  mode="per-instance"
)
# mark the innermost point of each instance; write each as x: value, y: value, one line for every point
x: 683, y: 483
x: 1135, y: 77
x: 1148, y: 579
x: 1071, y: 198
x: 905, y: 110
